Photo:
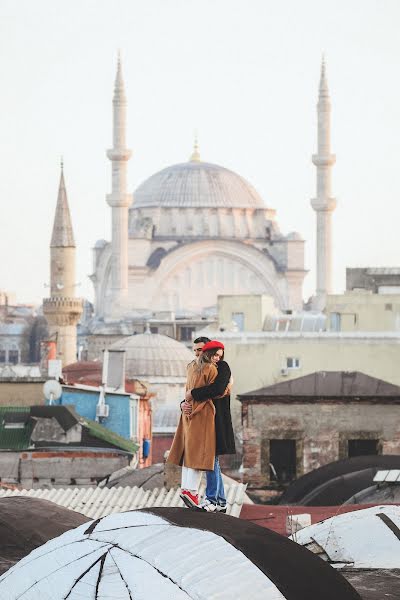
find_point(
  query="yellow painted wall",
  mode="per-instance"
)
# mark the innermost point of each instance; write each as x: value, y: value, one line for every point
x: 365, y: 311
x: 256, y: 360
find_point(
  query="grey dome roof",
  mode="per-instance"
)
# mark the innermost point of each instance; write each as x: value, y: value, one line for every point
x: 196, y: 184
x: 154, y: 355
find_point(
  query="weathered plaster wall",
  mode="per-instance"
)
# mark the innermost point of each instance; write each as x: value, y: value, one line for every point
x: 321, y: 432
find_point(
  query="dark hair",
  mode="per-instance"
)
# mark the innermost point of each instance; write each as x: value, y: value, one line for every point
x: 201, y: 340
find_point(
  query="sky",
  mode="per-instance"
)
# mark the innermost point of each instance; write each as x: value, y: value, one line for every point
x: 243, y: 73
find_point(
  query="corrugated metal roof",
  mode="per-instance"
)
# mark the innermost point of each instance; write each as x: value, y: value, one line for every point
x: 99, y: 502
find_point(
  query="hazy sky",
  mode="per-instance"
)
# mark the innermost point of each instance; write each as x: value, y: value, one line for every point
x: 244, y: 73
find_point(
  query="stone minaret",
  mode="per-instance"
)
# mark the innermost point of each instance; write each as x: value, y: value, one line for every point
x: 119, y: 200
x: 324, y: 204
x: 62, y: 310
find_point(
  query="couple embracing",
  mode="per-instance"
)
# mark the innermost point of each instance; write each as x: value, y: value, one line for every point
x: 205, y: 427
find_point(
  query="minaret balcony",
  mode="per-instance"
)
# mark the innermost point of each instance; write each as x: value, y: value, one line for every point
x: 321, y: 160
x: 119, y: 200
x: 324, y: 204
x: 58, y: 305
x: 122, y: 154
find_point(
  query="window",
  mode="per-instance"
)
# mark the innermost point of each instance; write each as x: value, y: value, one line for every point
x: 186, y: 333
x: 282, y: 460
x: 335, y: 321
x: 238, y: 318
x: 388, y: 306
x: 362, y: 447
x: 13, y: 357
x: 2, y: 356
x: 134, y: 417
x: 292, y: 363
x: 154, y: 329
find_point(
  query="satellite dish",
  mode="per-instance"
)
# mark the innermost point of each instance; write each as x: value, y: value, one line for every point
x: 60, y: 286
x: 52, y: 390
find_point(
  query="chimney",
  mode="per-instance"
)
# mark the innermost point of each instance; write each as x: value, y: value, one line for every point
x: 113, y: 376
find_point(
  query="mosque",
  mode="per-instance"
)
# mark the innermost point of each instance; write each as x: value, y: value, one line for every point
x: 188, y: 234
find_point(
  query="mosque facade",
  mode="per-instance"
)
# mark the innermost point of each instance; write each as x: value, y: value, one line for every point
x: 197, y: 230
x: 188, y: 234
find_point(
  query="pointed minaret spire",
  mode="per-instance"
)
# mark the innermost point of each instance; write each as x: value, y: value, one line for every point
x: 119, y: 199
x: 195, y: 156
x: 119, y: 87
x: 323, y: 203
x: 63, y: 310
x: 63, y: 235
x: 323, y: 82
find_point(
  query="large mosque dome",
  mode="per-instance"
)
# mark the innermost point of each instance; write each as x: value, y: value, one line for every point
x: 196, y: 184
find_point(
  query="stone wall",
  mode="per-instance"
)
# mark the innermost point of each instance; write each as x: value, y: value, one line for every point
x: 55, y: 469
x: 321, y: 432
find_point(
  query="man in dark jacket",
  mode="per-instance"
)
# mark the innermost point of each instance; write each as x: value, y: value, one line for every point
x: 215, y: 500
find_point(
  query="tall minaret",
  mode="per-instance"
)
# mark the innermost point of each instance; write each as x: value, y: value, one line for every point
x: 119, y: 199
x: 62, y: 310
x: 324, y: 204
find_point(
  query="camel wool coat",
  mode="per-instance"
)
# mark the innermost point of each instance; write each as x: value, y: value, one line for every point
x: 194, y: 442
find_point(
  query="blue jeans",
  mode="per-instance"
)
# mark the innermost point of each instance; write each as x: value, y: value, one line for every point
x: 215, y: 492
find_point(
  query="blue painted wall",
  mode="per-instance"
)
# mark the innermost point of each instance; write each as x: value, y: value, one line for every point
x: 85, y: 402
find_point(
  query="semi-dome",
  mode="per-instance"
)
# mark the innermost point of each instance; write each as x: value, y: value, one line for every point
x: 196, y: 184
x: 154, y: 355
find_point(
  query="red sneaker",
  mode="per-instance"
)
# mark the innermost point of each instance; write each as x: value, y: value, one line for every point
x: 189, y: 499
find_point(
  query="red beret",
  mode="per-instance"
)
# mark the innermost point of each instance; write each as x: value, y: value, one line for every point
x: 213, y: 345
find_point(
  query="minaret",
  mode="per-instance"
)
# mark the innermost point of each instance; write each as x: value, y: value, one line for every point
x: 119, y: 199
x: 324, y: 204
x: 62, y: 310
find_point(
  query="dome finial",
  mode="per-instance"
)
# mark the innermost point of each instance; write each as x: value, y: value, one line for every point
x: 195, y: 156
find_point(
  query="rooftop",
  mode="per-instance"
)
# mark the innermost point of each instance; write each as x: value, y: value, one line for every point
x: 328, y: 384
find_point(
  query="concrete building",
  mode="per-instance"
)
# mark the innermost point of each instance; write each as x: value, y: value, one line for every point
x: 63, y: 310
x: 380, y: 280
x: 21, y: 385
x: 359, y: 331
x: 52, y: 446
x: 22, y: 328
x: 363, y: 310
x: 293, y: 427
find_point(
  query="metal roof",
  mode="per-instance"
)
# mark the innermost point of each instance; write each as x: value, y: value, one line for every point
x: 333, y: 384
x: 99, y: 502
x: 196, y: 185
x: 363, y: 539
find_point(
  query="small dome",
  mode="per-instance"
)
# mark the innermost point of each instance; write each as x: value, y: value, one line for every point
x: 196, y: 184
x: 154, y: 355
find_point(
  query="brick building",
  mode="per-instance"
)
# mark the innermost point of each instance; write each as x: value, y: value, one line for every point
x: 293, y: 427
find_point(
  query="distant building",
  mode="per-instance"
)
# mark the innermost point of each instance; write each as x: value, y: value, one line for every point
x: 379, y: 280
x: 22, y: 328
x: 21, y: 385
x: 52, y: 446
x: 293, y: 427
